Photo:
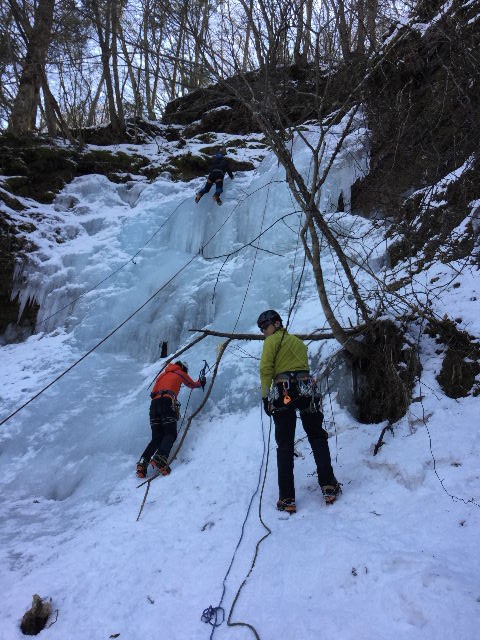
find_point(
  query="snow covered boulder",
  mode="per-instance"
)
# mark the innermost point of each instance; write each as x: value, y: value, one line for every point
x: 35, y: 619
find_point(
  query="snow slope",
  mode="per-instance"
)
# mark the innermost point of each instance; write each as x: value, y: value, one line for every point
x: 395, y: 558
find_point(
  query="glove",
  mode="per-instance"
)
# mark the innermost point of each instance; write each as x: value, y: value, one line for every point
x: 203, y: 381
x: 266, y: 406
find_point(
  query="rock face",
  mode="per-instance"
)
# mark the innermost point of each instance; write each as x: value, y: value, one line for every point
x: 423, y: 104
x: 12, y: 247
x: 38, y: 170
x: 300, y: 94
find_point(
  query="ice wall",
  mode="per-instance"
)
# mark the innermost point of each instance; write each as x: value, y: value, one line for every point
x: 212, y: 266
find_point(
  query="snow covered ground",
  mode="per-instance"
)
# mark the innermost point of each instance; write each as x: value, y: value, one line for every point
x: 395, y: 558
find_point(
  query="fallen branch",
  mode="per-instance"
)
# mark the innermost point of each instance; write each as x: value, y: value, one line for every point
x: 380, y: 441
x: 221, y: 351
x: 255, y: 336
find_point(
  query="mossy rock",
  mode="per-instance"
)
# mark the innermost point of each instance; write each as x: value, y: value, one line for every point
x: 461, y: 359
x: 188, y: 166
x: 106, y: 162
x: 12, y: 244
x: 384, y: 380
x: 11, y: 202
x: 212, y: 150
x: 206, y: 138
x: 37, y: 171
x: 13, y: 165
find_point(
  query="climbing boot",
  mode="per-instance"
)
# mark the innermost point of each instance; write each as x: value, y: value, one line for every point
x: 160, y: 463
x: 142, y: 468
x: 216, y: 197
x: 331, y: 492
x: 198, y: 197
x: 287, y: 504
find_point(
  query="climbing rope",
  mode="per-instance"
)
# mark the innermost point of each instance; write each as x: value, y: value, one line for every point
x: 253, y: 264
x: 203, y: 371
x: 109, y: 335
x: 264, y: 463
x: 130, y: 260
x: 211, y: 615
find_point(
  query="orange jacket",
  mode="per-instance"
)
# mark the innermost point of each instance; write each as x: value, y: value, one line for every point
x: 172, y: 379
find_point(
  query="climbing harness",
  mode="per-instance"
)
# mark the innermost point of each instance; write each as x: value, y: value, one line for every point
x: 161, y: 393
x: 292, y: 385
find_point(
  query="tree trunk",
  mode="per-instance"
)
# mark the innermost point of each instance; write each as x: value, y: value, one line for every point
x: 93, y: 107
x: 146, y: 53
x: 297, y: 52
x: 343, y: 30
x: 307, y: 32
x: 102, y: 28
x: 372, y: 13
x: 197, y: 68
x: 118, y: 93
x: 178, y: 50
x: 361, y: 29
x: 53, y: 114
x: 137, y: 98
x: 24, y: 111
x: 247, y: 38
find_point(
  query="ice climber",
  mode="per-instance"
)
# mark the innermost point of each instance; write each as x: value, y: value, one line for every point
x: 164, y: 413
x: 219, y: 167
x: 286, y: 387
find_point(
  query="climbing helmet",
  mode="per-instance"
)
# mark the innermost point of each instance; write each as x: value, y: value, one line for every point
x: 267, y: 318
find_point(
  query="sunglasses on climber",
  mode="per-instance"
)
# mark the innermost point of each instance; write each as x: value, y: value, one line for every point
x: 264, y: 326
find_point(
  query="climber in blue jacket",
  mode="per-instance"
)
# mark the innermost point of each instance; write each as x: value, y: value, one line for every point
x: 219, y: 167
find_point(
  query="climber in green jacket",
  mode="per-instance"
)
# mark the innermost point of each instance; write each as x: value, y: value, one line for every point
x: 286, y: 387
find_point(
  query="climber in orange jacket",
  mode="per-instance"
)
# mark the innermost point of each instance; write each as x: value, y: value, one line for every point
x: 164, y: 414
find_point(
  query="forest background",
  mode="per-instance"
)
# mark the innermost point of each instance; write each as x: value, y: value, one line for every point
x: 67, y: 65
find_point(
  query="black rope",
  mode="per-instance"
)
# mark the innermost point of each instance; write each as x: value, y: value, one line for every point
x: 452, y: 496
x: 109, y: 335
x: 97, y: 345
x: 265, y: 457
x: 211, y: 616
x: 131, y: 259
x: 253, y: 265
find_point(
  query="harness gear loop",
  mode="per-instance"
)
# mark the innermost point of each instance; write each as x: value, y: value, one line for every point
x: 169, y: 394
x: 286, y: 398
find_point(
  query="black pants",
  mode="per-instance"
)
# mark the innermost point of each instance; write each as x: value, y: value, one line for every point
x: 163, y: 422
x: 285, y: 420
x: 208, y: 185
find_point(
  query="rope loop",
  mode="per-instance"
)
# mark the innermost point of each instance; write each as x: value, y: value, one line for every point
x: 212, y: 614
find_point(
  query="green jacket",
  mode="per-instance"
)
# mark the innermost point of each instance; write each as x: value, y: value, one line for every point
x: 281, y: 352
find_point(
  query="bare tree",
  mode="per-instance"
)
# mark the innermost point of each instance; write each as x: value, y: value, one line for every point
x: 259, y: 93
x: 24, y: 110
x: 104, y: 20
